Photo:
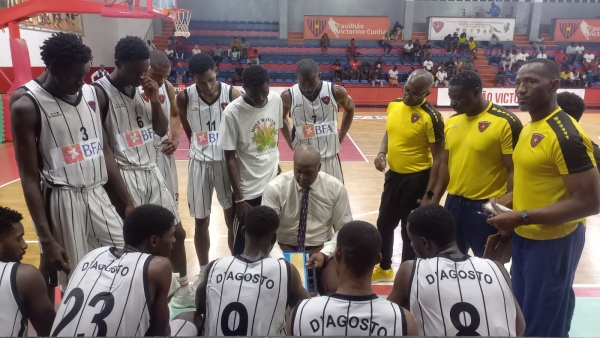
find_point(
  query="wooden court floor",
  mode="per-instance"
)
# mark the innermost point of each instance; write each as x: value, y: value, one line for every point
x: 363, y: 181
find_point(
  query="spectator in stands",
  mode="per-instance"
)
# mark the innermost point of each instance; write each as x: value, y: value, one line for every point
x: 513, y: 56
x: 238, y: 74
x: 196, y: 50
x: 588, y: 57
x: 180, y: 73
x: 234, y: 55
x: 458, y: 65
x: 575, y: 78
x: 449, y: 67
x: 170, y: 53
x: 412, y: 69
x: 353, y: 68
x: 542, y: 55
x: 441, y: 77
x: 463, y: 45
x: 151, y: 46
x: 234, y: 43
x: 179, y: 48
x: 426, y: 48
x: 253, y: 57
x: 579, y: 49
x: 506, y: 60
x: 500, y: 77
x: 468, y: 65
x: 245, y: 49
x: 379, y: 62
x: 386, y: 43
x: 217, y: 54
x: 565, y: 78
x: 408, y: 51
x: 448, y: 43
x: 473, y: 48
x: 428, y: 64
x: 572, y: 53
x: 325, y: 43
x: 454, y: 41
x: 417, y: 51
x: 365, y: 71
x: 337, y: 71
x: 171, y: 41
x: 393, y: 76
x: 494, y: 11
x: 377, y: 77
x: 538, y: 44
x: 100, y: 73
x: 352, y: 50
x: 561, y: 58
x: 396, y: 33
x: 521, y: 58
x: 495, y: 43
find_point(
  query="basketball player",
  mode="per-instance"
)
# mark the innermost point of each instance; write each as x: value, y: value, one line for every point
x: 17, y: 94
x: 354, y: 310
x: 22, y: 287
x: 448, y: 292
x: 414, y: 141
x: 123, y: 292
x: 313, y: 105
x: 249, y: 136
x: 131, y: 121
x: 247, y: 295
x: 201, y: 106
x: 480, y: 140
x: 160, y: 68
x: 59, y: 141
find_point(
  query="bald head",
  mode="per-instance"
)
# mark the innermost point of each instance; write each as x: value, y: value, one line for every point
x: 417, y: 87
x: 307, y: 155
x: 307, y: 163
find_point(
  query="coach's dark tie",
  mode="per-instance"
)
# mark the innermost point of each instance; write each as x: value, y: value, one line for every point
x: 302, y: 223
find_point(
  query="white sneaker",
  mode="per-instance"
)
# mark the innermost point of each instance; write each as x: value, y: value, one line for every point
x: 184, y: 297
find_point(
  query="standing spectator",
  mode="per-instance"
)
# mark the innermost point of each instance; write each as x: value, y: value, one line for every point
x: 100, y: 73
x: 572, y: 53
x: 565, y: 77
x: 579, y: 50
x: 494, y: 11
x: 245, y: 49
x: 180, y: 73
x: 352, y: 50
x: 441, y: 77
x: 426, y: 48
x: 575, y: 78
x: 417, y: 51
x: 500, y: 77
x: 386, y: 43
x: 588, y: 57
x: 561, y: 59
x: 234, y: 43
x: 196, y: 50
x: 238, y: 73
x: 337, y: 71
x: 365, y: 71
x: 170, y: 53
x: 151, y: 46
x: 353, y: 68
x: 428, y: 64
x: 506, y: 60
x: 235, y: 55
x: 495, y: 43
x: 393, y: 76
x: 468, y: 64
x: 253, y: 57
x: 377, y: 77
x: 179, y: 48
x: 473, y: 48
x: 521, y: 58
x: 538, y: 44
x: 449, y: 67
x: 448, y: 44
x: 463, y: 44
x: 454, y: 41
x: 325, y: 43
x: 217, y: 54
x: 542, y: 55
x: 408, y: 51
x: 249, y: 133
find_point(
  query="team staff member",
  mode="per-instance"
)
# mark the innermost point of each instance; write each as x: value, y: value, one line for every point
x: 414, y: 137
x: 480, y: 140
x: 313, y: 105
x: 555, y: 187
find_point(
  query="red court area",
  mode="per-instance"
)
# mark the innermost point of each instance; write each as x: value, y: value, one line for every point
x: 349, y: 152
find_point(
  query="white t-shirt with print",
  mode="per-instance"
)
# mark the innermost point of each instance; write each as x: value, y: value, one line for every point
x: 589, y: 57
x: 253, y: 133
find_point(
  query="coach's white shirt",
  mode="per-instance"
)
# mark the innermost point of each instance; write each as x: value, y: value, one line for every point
x: 328, y: 210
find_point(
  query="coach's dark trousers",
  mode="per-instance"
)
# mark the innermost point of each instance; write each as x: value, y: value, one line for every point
x: 472, y: 229
x: 239, y: 241
x: 402, y: 193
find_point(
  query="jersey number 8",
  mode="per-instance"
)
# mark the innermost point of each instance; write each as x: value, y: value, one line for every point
x: 463, y: 329
x: 98, y: 319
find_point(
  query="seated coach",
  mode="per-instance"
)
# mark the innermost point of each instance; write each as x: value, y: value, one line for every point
x: 312, y: 206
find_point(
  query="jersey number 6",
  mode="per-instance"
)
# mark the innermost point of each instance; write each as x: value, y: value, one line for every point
x: 98, y: 319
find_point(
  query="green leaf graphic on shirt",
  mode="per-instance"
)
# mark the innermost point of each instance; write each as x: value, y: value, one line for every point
x: 265, y: 137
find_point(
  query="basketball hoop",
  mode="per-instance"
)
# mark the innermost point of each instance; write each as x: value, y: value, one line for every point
x: 181, y: 18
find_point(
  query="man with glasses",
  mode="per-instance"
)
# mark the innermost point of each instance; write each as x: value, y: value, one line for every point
x: 414, y: 141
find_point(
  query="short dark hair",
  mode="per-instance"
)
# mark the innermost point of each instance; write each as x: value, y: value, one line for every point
x: 8, y: 217
x: 201, y: 63
x: 64, y: 49
x: 158, y: 58
x: 255, y: 76
x: 131, y: 48
x: 467, y: 79
x: 550, y: 67
x: 360, y: 245
x: 572, y: 104
x: 434, y: 223
x: 145, y: 221
x: 261, y: 222
x: 307, y: 67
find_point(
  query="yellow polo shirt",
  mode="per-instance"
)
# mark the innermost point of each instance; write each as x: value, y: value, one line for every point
x: 547, y: 150
x: 411, y: 130
x: 476, y: 146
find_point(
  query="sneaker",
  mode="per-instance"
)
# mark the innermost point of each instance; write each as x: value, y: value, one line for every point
x: 197, y: 282
x: 381, y: 276
x: 184, y: 297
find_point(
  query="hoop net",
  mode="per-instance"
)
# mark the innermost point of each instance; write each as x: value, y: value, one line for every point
x: 181, y: 18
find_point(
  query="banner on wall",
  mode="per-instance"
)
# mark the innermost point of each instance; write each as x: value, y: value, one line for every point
x: 577, y: 30
x: 68, y: 22
x: 481, y: 29
x: 501, y: 96
x: 346, y: 27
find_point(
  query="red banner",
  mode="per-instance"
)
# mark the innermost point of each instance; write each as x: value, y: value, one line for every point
x: 346, y: 27
x: 577, y: 30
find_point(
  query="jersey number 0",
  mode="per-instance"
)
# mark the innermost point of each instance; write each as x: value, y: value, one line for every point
x: 98, y: 319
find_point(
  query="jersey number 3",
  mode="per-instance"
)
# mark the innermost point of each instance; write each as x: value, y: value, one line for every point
x: 98, y: 319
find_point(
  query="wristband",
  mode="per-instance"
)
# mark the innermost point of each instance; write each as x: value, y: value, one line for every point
x: 381, y: 152
x: 240, y: 201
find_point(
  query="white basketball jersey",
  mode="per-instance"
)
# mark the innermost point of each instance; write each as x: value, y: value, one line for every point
x: 129, y: 127
x: 204, y: 119
x: 107, y: 296
x: 342, y: 315
x: 12, y: 321
x: 165, y: 101
x: 31, y: 85
x: 461, y: 297
x: 69, y: 139
x: 315, y: 122
x: 247, y: 298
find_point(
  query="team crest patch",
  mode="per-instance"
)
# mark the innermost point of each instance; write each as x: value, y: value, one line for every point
x: 438, y: 25
x: 317, y: 26
x: 568, y: 28
x: 326, y: 99
x: 536, y: 139
x: 161, y: 98
x: 415, y: 117
x: 223, y: 105
x: 483, y: 126
x: 145, y: 97
x: 92, y: 104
